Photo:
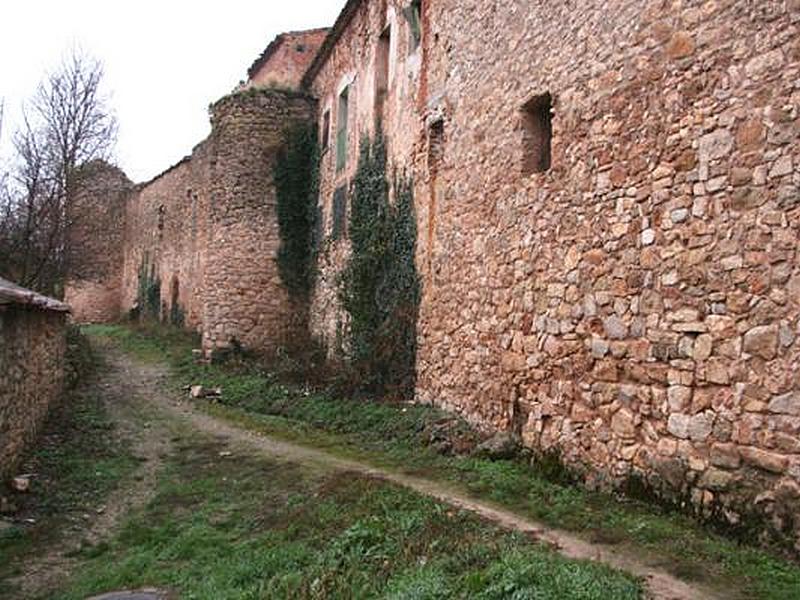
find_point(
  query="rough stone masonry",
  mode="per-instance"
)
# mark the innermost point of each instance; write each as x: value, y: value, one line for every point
x: 608, y: 207
x: 32, y: 346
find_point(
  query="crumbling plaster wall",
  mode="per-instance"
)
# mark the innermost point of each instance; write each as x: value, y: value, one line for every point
x: 636, y: 307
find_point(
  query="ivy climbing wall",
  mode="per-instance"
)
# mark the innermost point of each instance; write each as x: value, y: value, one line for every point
x: 197, y: 245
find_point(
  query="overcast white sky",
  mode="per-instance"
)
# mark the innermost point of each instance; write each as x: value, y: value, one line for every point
x: 165, y: 61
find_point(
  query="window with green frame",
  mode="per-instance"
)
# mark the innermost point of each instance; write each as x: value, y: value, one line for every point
x: 341, y: 129
x: 413, y: 14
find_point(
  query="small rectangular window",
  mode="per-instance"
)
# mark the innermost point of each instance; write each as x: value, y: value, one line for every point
x: 537, y: 134
x: 382, y: 71
x: 326, y: 129
x: 341, y: 130
x: 339, y: 213
x: 435, y: 147
x: 413, y: 14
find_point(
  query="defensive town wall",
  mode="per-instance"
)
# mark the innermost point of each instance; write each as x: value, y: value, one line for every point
x: 608, y: 211
x: 95, y: 249
x: 32, y: 347
x: 369, y: 79
x: 196, y: 245
x: 634, y: 303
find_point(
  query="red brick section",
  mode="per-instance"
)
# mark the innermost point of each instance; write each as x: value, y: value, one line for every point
x: 32, y: 345
x: 286, y: 59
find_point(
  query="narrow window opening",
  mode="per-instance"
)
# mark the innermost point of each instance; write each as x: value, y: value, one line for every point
x: 435, y: 147
x: 341, y: 130
x: 413, y: 14
x: 382, y: 72
x: 435, y: 159
x: 162, y: 211
x: 326, y: 129
x: 537, y: 134
x: 339, y: 213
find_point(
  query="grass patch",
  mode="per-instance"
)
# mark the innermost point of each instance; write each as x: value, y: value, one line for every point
x: 78, y: 461
x: 247, y: 527
x: 394, y: 436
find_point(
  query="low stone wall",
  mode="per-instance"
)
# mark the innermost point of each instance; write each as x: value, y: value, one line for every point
x: 32, y: 348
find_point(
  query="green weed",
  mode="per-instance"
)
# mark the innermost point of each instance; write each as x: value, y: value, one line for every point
x: 393, y: 436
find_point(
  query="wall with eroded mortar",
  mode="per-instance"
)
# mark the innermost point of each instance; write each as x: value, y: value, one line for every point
x: 96, y: 242
x: 636, y: 307
x: 32, y: 347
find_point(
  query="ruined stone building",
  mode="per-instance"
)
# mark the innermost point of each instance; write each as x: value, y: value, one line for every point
x: 608, y: 211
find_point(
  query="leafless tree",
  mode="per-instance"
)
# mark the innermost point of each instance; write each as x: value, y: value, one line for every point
x: 66, y: 124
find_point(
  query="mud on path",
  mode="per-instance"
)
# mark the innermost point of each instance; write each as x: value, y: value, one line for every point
x: 134, y: 391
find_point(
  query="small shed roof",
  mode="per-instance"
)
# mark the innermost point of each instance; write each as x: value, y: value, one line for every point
x: 11, y: 293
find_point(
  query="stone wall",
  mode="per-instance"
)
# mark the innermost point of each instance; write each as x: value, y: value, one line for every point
x: 32, y: 346
x: 635, y: 307
x: 383, y: 88
x: 197, y: 245
x: 165, y: 242
x: 244, y: 299
x: 608, y: 216
x: 95, y: 247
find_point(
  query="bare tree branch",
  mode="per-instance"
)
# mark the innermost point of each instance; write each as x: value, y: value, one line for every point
x: 67, y: 124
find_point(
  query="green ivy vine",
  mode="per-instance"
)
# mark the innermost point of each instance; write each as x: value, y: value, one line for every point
x: 296, y: 174
x: 149, y: 290
x: 380, y: 287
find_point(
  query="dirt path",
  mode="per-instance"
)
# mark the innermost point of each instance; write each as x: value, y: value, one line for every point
x: 149, y: 383
x: 121, y: 388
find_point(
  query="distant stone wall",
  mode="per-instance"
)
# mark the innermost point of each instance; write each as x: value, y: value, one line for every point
x: 197, y: 245
x: 32, y: 346
x: 165, y: 244
x: 95, y: 245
